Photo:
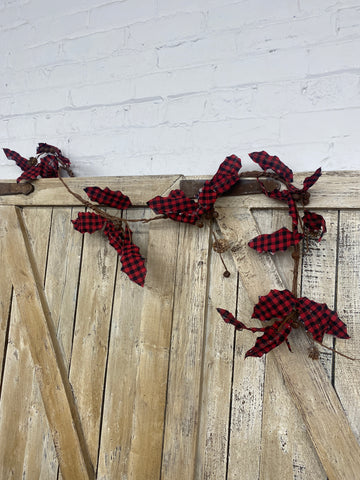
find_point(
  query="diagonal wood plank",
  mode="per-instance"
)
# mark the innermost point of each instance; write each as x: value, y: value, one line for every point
x: 305, y: 379
x: 51, y: 372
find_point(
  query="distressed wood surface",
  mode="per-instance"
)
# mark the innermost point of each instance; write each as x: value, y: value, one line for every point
x: 46, y: 356
x: 160, y: 382
x: 123, y: 359
x: 145, y: 454
x: 185, y: 369
x: 346, y: 372
x: 305, y: 379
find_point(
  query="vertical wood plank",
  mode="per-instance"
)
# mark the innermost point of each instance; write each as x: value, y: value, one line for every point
x: 44, y: 349
x: 29, y: 450
x: 347, y: 373
x: 185, y: 372
x: 62, y: 275
x: 286, y: 448
x: 153, y: 353
x: 216, y: 388
x: 90, y: 342
x: 120, y: 386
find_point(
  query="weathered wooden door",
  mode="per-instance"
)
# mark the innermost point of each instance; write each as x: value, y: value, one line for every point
x: 101, y: 378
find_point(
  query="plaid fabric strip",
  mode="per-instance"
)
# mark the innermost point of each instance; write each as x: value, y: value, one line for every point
x: 19, y: 160
x: 314, y: 223
x: 46, y: 148
x: 133, y: 264
x: 114, y: 199
x: 276, y: 304
x: 269, y: 162
x: 229, y: 318
x: 30, y: 174
x: 309, y: 181
x: 176, y: 206
x: 280, y: 240
x: 272, y: 337
x: 88, y: 222
x: 49, y: 166
x: 283, y: 196
x: 226, y: 176
x: 318, y: 319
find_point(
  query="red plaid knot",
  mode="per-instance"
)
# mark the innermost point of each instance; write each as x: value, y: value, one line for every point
x: 114, y: 199
x: 269, y: 162
x: 280, y: 240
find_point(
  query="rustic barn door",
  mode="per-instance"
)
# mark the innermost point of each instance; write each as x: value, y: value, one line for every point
x: 101, y: 378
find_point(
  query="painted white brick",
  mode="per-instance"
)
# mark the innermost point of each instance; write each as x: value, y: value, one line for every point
x: 102, y: 94
x: 231, y: 134
x: 62, y: 26
x: 160, y: 31
x: 177, y: 82
x: 128, y: 63
x: 41, y: 100
x: 121, y: 13
x: 238, y: 14
x: 270, y: 67
x: 23, y: 125
x: 97, y: 45
x: 185, y: 110
x: 162, y: 139
x: 319, y: 126
x: 29, y: 58
x: 55, y: 76
x: 230, y: 103
x: 334, y: 57
x: 198, y: 51
x: 292, y: 33
x: 348, y: 22
x: 143, y: 114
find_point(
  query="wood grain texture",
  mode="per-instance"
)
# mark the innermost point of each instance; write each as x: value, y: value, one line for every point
x: 91, y: 332
x: 185, y: 369
x: 347, y: 373
x: 51, y: 192
x: 216, y: 388
x: 45, y: 353
x: 148, y: 416
x: 305, y: 379
x: 123, y: 359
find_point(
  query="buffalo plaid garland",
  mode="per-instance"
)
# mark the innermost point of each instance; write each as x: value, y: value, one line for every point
x: 180, y: 208
x: 269, y: 162
x: 108, y: 197
x: 133, y: 264
x: 314, y: 223
x: 276, y: 241
x: 283, y: 308
x: 47, y: 167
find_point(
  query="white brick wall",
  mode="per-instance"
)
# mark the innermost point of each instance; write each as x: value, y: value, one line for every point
x: 128, y: 87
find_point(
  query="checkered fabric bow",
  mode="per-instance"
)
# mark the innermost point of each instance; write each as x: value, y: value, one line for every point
x: 47, y: 167
x: 280, y: 240
x: 314, y: 223
x: 273, y: 335
x: 317, y: 318
x: 133, y: 264
x: 269, y: 162
x: 282, y: 306
x: 180, y: 208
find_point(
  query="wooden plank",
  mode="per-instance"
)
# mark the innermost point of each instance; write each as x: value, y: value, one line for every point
x: 51, y: 191
x: 62, y: 275
x: 185, y: 370
x: 216, y: 389
x: 144, y: 460
x: 49, y: 367
x: 305, y: 379
x: 286, y: 449
x: 21, y: 404
x: 347, y: 373
x: 123, y: 359
x: 91, y: 332
x: 333, y: 190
